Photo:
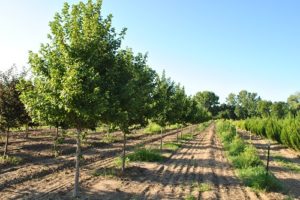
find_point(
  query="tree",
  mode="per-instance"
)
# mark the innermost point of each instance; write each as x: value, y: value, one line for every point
x: 246, y: 104
x: 294, y: 103
x: 74, y: 65
x: 279, y: 109
x: 208, y: 100
x: 264, y: 108
x: 12, y: 111
x: 130, y: 91
x: 162, y: 96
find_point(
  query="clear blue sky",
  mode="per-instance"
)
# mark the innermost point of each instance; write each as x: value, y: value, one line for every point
x: 222, y: 46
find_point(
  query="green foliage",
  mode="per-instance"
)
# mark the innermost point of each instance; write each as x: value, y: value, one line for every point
x: 203, y: 187
x: 208, y: 100
x: 109, y: 138
x: 190, y: 197
x: 152, y: 128
x: 172, y: 145
x: 119, y: 161
x: 148, y: 155
x: 10, y: 160
x: 106, y: 172
x: 285, y: 131
x: 248, y: 158
x: 258, y: 178
x: 187, y: 136
x: 237, y: 146
x: 245, y: 159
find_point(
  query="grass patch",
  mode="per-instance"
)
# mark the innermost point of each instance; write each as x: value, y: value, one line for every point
x: 285, y: 162
x: 118, y: 162
x: 187, y: 136
x: 245, y: 159
x: 106, y: 172
x: 152, y: 128
x: 190, y: 197
x: 148, y: 155
x: 10, y: 160
x: 203, y: 187
x: 172, y: 145
x: 257, y: 178
x: 109, y: 138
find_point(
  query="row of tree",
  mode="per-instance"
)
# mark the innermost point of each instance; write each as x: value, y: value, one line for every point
x: 82, y: 77
x: 247, y: 105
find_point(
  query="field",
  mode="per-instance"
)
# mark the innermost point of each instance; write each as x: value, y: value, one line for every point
x: 195, y: 167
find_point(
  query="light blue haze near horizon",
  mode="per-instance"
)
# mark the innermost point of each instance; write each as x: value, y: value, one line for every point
x: 221, y: 46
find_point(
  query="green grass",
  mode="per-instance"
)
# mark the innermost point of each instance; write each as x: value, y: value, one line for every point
x: 10, y: 160
x: 245, y: 159
x: 190, y: 197
x: 257, y: 178
x: 118, y: 162
x: 109, y: 138
x: 152, y: 128
x: 106, y: 172
x: 287, y: 163
x: 147, y: 155
x: 187, y: 136
x: 172, y: 145
x: 203, y: 187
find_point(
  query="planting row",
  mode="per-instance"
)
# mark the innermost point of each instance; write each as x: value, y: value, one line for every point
x: 284, y: 131
x: 245, y: 159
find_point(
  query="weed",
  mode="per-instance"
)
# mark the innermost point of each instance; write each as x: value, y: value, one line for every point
x: 118, y: 162
x: 172, y: 145
x: 203, y: 187
x: 106, y: 172
x: 148, y: 155
x: 190, y: 197
x: 10, y: 160
x: 187, y: 136
x: 258, y: 178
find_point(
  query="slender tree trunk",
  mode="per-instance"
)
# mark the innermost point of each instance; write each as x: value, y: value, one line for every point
x: 55, y: 143
x: 56, y: 136
x: 124, y: 152
x: 26, y: 131
x: 78, y: 152
x: 177, y: 134
x: 181, y: 133
x: 6, y: 143
x: 161, y: 138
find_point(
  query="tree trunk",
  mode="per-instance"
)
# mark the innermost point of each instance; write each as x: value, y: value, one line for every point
x: 177, y: 134
x: 161, y: 138
x: 181, y: 133
x: 26, y: 131
x: 55, y: 143
x: 6, y: 143
x: 124, y: 152
x: 56, y: 132
x: 76, y: 185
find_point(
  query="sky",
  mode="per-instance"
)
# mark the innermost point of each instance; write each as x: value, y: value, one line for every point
x: 215, y: 45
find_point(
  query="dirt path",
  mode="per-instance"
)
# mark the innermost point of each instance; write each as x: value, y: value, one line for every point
x: 199, y: 162
x: 289, y: 178
x: 44, y: 179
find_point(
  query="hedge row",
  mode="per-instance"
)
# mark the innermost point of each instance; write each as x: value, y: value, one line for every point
x: 284, y: 131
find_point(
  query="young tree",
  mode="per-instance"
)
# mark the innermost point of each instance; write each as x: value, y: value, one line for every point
x: 12, y: 112
x: 131, y: 90
x: 74, y: 65
x: 162, y: 106
x: 264, y: 108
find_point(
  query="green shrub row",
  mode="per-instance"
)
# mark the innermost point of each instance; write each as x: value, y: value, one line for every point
x: 245, y: 159
x: 284, y: 131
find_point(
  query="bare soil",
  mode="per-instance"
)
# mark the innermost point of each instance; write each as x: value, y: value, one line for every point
x: 199, y: 161
x: 40, y: 177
